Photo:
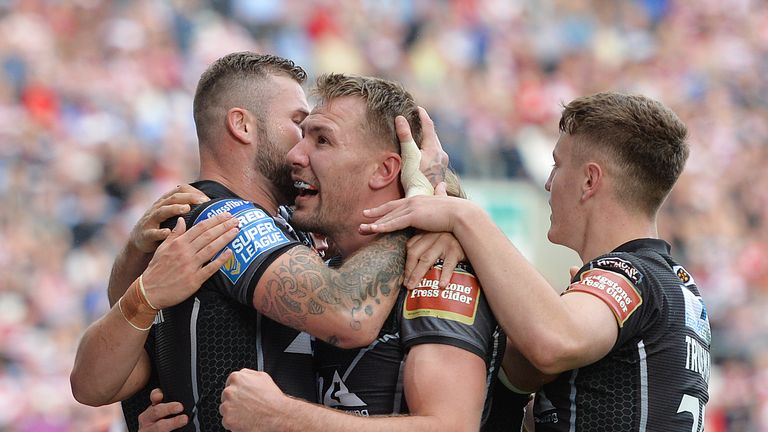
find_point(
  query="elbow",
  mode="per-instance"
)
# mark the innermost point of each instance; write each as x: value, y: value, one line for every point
x: 357, y: 338
x: 84, y: 393
x: 554, y: 357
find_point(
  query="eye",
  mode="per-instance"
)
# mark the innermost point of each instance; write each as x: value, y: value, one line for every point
x: 322, y: 140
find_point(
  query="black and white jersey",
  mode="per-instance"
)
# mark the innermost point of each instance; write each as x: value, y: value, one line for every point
x: 655, y: 377
x: 200, y: 341
x: 369, y: 381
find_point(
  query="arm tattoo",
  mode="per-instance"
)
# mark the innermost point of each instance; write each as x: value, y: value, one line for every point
x: 302, y: 285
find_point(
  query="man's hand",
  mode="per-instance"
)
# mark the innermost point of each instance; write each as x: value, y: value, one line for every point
x: 428, y: 213
x: 161, y: 417
x: 424, y: 250
x: 146, y: 235
x: 434, y: 160
x: 251, y: 401
x: 183, y: 262
x: 413, y: 180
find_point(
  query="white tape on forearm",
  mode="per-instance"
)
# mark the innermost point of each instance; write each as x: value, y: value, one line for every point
x: 414, y: 181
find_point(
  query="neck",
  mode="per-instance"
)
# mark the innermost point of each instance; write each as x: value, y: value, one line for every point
x: 608, y: 230
x: 349, y: 240
x: 243, y: 182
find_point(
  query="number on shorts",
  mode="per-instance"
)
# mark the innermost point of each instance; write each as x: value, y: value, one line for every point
x: 692, y: 405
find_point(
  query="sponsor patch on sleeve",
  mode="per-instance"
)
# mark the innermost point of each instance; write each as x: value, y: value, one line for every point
x: 613, y: 289
x: 458, y: 301
x: 258, y: 234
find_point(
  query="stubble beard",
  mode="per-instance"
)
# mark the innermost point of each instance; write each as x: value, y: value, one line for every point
x: 273, y: 165
x: 330, y: 219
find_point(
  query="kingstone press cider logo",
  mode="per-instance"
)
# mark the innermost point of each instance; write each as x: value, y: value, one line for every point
x: 457, y: 302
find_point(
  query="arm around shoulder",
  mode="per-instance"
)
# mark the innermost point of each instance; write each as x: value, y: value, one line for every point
x: 345, y: 306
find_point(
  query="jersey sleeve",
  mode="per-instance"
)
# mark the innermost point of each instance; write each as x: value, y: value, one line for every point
x: 621, y: 285
x: 457, y: 315
x: 261, y: 239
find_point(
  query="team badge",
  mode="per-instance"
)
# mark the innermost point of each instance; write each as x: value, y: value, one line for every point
x: 258, y: 234
x: 683, y: 275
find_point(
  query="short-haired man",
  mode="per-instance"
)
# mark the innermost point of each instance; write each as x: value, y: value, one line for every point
x: 629, y: 338
x: 435, y: 355
x: 247, y: 110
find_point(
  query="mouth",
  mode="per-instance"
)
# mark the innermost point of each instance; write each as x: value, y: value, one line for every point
x: 305, y: 189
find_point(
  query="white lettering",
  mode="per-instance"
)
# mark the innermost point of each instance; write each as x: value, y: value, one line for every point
x: 697, y: 358
x: 428, y: 283
x: 416, y: 293
x: 229, y: 205
x: 456, y: 296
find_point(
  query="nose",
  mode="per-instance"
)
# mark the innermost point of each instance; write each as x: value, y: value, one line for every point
x: 297, y: 155
x: 548, y: 184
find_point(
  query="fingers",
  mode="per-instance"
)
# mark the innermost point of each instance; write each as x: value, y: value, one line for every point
x: 441, y: 189
x: 424, y: 250
x: 165, y: 212
x: 388, y: 223
x: 378, y: 212
x: 157, y: 418
x: 434, y: 160
x: 179, y: 229
x: 156, y: 396
x: 449, y: 265
x: 420, y: 258
x: 573, y: 270
x: 166, y: 425
x: 183, y: 193
x: 427, y: 125
x: 403, y: 129
x: 212, y: 267
x: 210, y: 236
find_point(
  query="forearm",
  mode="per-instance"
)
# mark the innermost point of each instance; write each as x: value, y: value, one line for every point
x: 527, y: 307
x: 128, y: 265
x: 301, y: 416
x: 368, y: 284
x: 346, y: 306
x: 110, y: 363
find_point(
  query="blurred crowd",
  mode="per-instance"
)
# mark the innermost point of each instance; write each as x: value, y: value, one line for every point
x: 95, y: 123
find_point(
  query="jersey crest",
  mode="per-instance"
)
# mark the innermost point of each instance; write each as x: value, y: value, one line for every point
x: 258, y: 234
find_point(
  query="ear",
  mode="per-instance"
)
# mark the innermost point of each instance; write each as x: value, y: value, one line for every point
x: 593, y: 180
x: 387, y: 171
x: 241, y: 125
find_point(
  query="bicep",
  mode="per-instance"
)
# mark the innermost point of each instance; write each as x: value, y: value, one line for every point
x: 446, y: 382
x: 598, y: 328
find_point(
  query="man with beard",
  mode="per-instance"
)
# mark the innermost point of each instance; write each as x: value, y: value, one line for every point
x: 247, y: 110
x: 438, y: 350
x: 626, y: 346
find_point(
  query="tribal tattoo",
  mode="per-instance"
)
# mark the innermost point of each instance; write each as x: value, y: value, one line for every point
x: 366, y: 284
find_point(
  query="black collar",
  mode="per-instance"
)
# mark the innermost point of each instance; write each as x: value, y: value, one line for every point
x: 658, y: 245
x: 214, y: 189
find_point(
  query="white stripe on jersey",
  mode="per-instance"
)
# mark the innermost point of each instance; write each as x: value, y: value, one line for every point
x: 643, y: 385
x: 193, y: 351
x: 572, y: 383
x: 259, y: 348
